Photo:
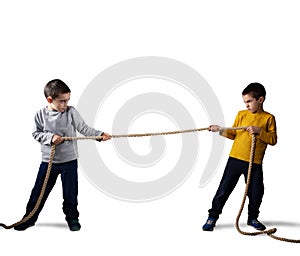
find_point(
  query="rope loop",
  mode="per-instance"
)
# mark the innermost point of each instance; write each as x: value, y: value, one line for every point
x: 269, y: 232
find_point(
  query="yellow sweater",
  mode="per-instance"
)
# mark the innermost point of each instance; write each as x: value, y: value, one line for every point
x: 242, y: 139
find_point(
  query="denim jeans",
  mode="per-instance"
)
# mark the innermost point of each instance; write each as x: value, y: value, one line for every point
x: 69, y: 178
x: 233, y: 170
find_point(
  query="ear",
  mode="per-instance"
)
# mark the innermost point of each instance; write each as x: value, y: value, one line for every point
x: 49, y: 99
x: 261, y: 99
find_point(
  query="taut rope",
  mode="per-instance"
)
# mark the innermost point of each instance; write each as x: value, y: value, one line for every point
x: 52, y: 153
x: 269, y: 232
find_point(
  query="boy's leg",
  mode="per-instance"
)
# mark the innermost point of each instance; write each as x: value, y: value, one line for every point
x: 228, y: 182
x: 69, y: 179
x: 255, y: 192
x: 35, y: 193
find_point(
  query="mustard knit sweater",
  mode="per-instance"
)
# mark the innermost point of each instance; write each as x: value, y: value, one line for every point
x: 242, y: 139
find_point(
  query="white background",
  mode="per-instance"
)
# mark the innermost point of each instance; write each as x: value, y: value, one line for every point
x: 230, y: 43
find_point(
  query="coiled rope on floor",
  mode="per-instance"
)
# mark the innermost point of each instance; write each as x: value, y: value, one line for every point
x: 269, y: 232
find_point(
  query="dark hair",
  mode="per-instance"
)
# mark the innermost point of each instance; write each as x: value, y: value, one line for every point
x: 55, y: 87
x: 256, y: 90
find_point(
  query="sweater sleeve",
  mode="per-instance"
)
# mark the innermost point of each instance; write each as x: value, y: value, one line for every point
x: 269, y: 134
x: 231, y: 134
x: 39, y: 134
x: 82, y: 127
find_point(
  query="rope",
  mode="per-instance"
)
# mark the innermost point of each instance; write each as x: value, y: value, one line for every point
x: 252, y: 153
x: 52, y: 153
x: 269, y: 232
x: 30, y: 215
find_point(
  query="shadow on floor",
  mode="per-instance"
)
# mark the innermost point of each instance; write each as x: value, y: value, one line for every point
x: 269, y: 224
x: 52, y: 225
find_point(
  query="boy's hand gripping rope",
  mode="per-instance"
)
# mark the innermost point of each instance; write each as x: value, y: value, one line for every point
x: 269, y: 232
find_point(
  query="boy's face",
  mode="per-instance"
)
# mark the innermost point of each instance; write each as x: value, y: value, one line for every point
x: 252, y: 104
x: 60, y: 103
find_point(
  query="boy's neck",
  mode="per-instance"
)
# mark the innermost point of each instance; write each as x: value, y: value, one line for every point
x: 49, y: 107
x: 260, y: 110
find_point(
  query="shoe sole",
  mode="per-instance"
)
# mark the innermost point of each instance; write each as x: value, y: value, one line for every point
x: 23, y: 229
x: 211, y: 229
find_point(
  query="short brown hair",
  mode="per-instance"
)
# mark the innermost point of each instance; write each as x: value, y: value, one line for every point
x: 256, y: 90
x: 55, y: 87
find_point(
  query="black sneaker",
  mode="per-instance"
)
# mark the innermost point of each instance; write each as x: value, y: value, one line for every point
x: 74, y: 225
x: 210, y: 224
x: 256, y: 224
x: 23, y: 226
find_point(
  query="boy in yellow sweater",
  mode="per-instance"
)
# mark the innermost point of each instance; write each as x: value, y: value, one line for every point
x: 263, y: 125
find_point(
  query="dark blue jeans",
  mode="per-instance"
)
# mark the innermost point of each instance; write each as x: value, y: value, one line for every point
x: 69, y: 178
x: 233, y: 170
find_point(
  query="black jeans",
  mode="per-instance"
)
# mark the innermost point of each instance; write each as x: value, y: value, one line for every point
x: 233, y: 170
x: 69, y: 178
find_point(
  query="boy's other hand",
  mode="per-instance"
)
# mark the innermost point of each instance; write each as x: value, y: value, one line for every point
x: 253, y: 130
x: 106, y: 136
x: 56, y: 139
x: 214, y: 128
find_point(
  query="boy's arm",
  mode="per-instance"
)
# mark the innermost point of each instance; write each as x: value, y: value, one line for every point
x: 269, y: 135
x: 226, y: 133
x: 82, y: 127
x: 39, y: 134
x: 231, y: 134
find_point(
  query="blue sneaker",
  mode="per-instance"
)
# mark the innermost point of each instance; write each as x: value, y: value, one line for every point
x: 210, y: 224
x: 74, y: 225
x: 256, y: 224
x: 23, y: 226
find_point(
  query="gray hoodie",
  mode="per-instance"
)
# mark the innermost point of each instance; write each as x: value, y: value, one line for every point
x: 47, y: 123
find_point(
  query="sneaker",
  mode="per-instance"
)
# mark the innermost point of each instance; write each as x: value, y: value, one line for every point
x: 210, y: 224
x: 23, y: 226
x: 256, y: 224
x: 74, y: 225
